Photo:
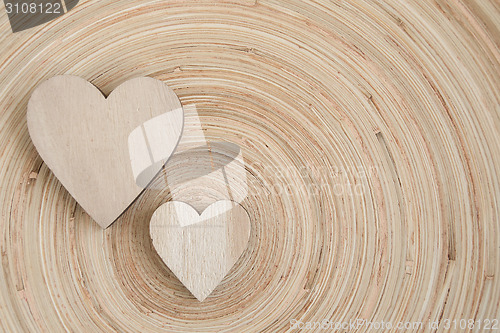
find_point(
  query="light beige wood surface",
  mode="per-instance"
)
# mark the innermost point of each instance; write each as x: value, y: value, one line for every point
x: 104, y: 150
x: 200, y: 249
x: 370, y: 136
x: 201, y: 171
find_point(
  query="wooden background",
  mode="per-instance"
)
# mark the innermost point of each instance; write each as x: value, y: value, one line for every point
x: 370, y: 130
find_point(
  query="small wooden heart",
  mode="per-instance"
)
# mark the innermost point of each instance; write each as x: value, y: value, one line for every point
x: 200, y: 249
x: 104, y: 150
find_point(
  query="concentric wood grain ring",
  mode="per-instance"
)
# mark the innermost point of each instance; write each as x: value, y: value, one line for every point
x: 370, y: 134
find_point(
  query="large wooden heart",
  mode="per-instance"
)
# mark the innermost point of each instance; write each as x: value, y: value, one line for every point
x: 200, y: 249
x: 104, y: 150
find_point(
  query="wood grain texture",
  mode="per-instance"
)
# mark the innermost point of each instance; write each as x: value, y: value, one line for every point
x: 370, y: 135
x: 104, y: 150
x: 200, y: 249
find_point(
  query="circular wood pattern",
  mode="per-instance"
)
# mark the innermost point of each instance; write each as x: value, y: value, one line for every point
x: 370, y: 131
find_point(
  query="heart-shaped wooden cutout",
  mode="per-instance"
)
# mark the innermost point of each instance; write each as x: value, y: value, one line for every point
x: 104, y: 150
x: 200, y: 249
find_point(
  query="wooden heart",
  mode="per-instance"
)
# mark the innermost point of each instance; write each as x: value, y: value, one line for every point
x: 104, y: 150
x: 200, y: 249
